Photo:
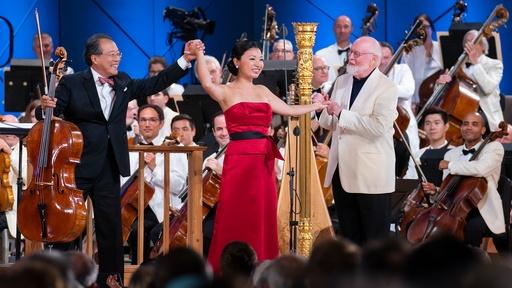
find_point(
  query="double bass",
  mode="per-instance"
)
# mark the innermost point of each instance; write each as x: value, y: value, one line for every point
x: 450, y: 206
x: 458, y: 97
x: 269, y: 33
x: 52, y: 209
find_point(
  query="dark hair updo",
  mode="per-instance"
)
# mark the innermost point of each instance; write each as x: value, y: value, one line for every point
x: 237, y: 52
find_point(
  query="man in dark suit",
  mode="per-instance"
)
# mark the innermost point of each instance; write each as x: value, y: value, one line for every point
x: 96, y: 101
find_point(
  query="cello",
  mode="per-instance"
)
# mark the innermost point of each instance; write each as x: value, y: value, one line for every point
x: 458, y: 97
x: 457, y: 196
x: 52, y: 209
x: 178, y: 220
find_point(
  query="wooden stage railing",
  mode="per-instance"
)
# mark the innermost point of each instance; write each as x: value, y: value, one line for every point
x: 195, y: 194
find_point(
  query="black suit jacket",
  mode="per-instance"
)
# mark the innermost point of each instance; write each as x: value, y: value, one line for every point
x: 78, y: 102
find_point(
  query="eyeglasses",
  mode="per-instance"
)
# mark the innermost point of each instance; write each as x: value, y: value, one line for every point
x: 113, y: 54
x: 357, y: 54
x: 282, y: 51
x: 151, y: 120
x: 321, y: 68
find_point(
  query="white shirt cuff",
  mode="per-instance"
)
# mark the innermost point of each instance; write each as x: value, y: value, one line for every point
x: 183, y: 63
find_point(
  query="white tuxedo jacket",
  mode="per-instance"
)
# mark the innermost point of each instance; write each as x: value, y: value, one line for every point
x: 362, y: 142
x: 488, y: 165
x: 488, y: 73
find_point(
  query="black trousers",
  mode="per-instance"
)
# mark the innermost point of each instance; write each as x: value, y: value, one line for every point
x: 150, y: 223
x: 362, y: 217
x: 476, y: 229
x: 104, y: 191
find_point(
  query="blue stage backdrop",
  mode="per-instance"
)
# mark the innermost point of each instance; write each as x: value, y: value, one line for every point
x: 139, y: 29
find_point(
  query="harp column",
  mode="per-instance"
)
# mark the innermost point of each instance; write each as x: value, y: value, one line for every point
x: 305, y: 34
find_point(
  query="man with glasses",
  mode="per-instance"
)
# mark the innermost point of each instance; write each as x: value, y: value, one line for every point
x: 96, y: 101
x: 282, y: 50
x: 151, y: 121
x: 361, y: 163
x: 320, y: 85
x: 336, y: 54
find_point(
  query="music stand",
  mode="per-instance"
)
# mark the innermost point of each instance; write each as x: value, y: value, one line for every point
x: 20, y: 130
x: 21, y: 81
x: 200, y: 106
x: 277, y: 75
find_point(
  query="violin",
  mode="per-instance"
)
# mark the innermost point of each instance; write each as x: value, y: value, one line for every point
x: 52, y: 209
x: 178, y: 220
x: 457, y: 196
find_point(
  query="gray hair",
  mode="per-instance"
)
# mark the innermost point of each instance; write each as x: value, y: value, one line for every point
x: 483, y: 40
x: 286, y: 43
x: 208, y: 59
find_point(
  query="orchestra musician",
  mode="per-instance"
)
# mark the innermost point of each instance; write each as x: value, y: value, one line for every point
x: 10, y: 145
x: 361, y: 159
x: 151, y: 120
x: 488, y: 219
x: 132, y: 126
x: 47, y: 52
x: 216, y: 163
x: 282, y: 50
x: 486, y: 73
x: 185, y: 129
x: 401, y: 75
x: 161, y: 99
x: 435, y: 125
x: 336, y: 55
x: 96, y: 101
x: 423, y: 60
x: 320, y: 85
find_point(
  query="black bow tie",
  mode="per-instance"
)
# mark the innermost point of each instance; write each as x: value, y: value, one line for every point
x: 468, y: 64
x: 343, y: 50
x: 317, y: 90
x: 470, y: 151
x: 147, y: 144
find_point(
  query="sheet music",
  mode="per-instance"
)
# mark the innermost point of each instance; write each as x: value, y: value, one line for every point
x: 16, y: 125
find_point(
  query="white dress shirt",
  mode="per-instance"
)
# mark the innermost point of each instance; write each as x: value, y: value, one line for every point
x: 421, y: 66
x: 333, y: 59
x: 155, y: 178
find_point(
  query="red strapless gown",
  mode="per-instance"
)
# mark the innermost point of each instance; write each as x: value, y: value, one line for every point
x: 247, y: 207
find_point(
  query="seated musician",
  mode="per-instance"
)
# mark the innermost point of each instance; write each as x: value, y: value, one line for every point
x: 434, y: 127
x: 214, y: 162
x: 151, y: 120
x: 183, y: 125
x: 402, y: 76
x: 132, y: 126
x: 160, y: 99
x: 9, y: 145
x: 322, y: 85
x: 488, y: 219
x: 487, y: 74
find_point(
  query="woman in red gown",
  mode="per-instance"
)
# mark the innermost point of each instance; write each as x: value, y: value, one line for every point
x: 247, y: 208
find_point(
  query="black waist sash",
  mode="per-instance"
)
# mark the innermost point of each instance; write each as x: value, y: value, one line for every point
x: 244, y: 135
